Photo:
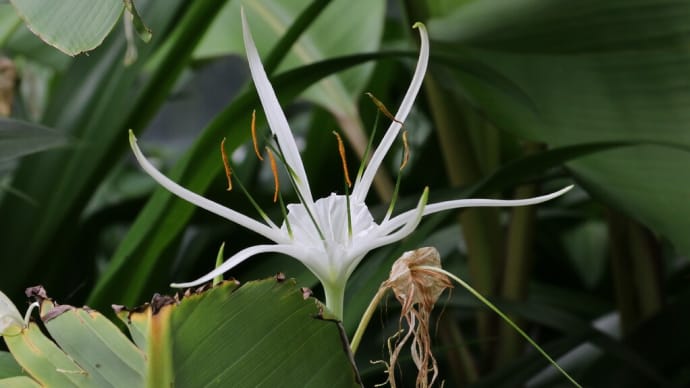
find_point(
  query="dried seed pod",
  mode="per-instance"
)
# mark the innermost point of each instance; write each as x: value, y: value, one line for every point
x: 414, y: 285
x: 417, y: 288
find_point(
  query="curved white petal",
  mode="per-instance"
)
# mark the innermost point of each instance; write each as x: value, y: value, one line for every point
x: 274, y: 114
x: 402, y: 218
x: 363, y: 184
x: 238, y: 258
x: 272, y: 234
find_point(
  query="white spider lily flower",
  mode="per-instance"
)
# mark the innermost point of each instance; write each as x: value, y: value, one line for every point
x: 329, y: 236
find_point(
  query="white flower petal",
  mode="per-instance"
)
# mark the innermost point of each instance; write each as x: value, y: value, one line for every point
x: 274, y: 115
x: 238, y: 258
x: 402, y: 218
x: 383, y: 236
x: 362, y: 185
x: 272, y: 234
x: 10, y: 318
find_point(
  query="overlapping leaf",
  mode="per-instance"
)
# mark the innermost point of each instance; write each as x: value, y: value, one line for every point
x: 593, y: 71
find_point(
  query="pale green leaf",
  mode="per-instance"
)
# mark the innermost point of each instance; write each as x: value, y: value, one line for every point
x: 68, y: 25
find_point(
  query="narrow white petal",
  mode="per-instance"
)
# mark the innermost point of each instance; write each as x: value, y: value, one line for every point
x: 402, y: 218
x: 274, y: 114
x: 274, y: 234
x: 238, y: 258
x: 362, y: 185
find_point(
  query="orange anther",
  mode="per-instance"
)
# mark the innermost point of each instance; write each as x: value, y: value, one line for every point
x: 341, y: 150
x: 406, y: 151
x: 226, y: 164
x: 256, y: 144
x: 274, y: 168
x: 383, y: 108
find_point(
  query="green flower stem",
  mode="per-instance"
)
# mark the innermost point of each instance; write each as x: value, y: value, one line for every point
x: 518, y: 264
x: 635, y: 272
x: 366, y: 317
x: 335, y: 297
x: 496, y: 310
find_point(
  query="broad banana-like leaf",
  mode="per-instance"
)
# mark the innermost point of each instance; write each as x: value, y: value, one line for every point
x: 67, y: 24
x: 263, y: 333
x: 590, y: 71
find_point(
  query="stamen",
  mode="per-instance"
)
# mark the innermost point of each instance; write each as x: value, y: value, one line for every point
x: 283, y: 209
x: 341, y: 150
x: 383, y: 108
x: 226, y: 164
x: 256, y: 144
x: 256, y: 205
x: 292, y: 176
x: 370, y: 145
x: 394, y: 199
x: 274, y: 169
x: 349, y: 213
x: 396, y: 190
x: 406, y: 151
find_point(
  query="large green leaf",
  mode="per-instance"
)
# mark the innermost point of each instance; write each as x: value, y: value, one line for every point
x: 9, y: 366
x: 95, y: 344
x: 67, y: 24
x: 592, y: 71
x: 43, y: 360
x: 264, y: 333
x: 271, y: 336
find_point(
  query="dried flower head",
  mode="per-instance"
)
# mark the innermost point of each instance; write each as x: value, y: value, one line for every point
x: 417, y: 288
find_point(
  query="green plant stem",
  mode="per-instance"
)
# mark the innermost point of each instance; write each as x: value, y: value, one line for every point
x: 647, y: 279
x: 635, y: 271
x: 621, y: 272
x: 518, y: 265
x: 335, y: 297
x: 503, y: 316
x: 480, y: 227
x: 366, y: 317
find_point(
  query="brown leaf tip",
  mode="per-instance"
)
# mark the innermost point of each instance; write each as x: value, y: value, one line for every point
x: 159, y: 301
x: 118, y: 308
x: 306, y: 293
x: 37, y: 293
x: 280, y: 277
x: 56, y: 312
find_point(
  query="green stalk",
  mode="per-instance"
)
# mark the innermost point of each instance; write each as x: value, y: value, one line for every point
x: 518, y: 265
x: 335, y: 298
x: 646, y: 269
x: 621, y: 272
x: 366, y: 317
x: 635, y: 271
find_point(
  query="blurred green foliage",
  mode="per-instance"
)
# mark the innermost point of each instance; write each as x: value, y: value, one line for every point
x: 522, y: 97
